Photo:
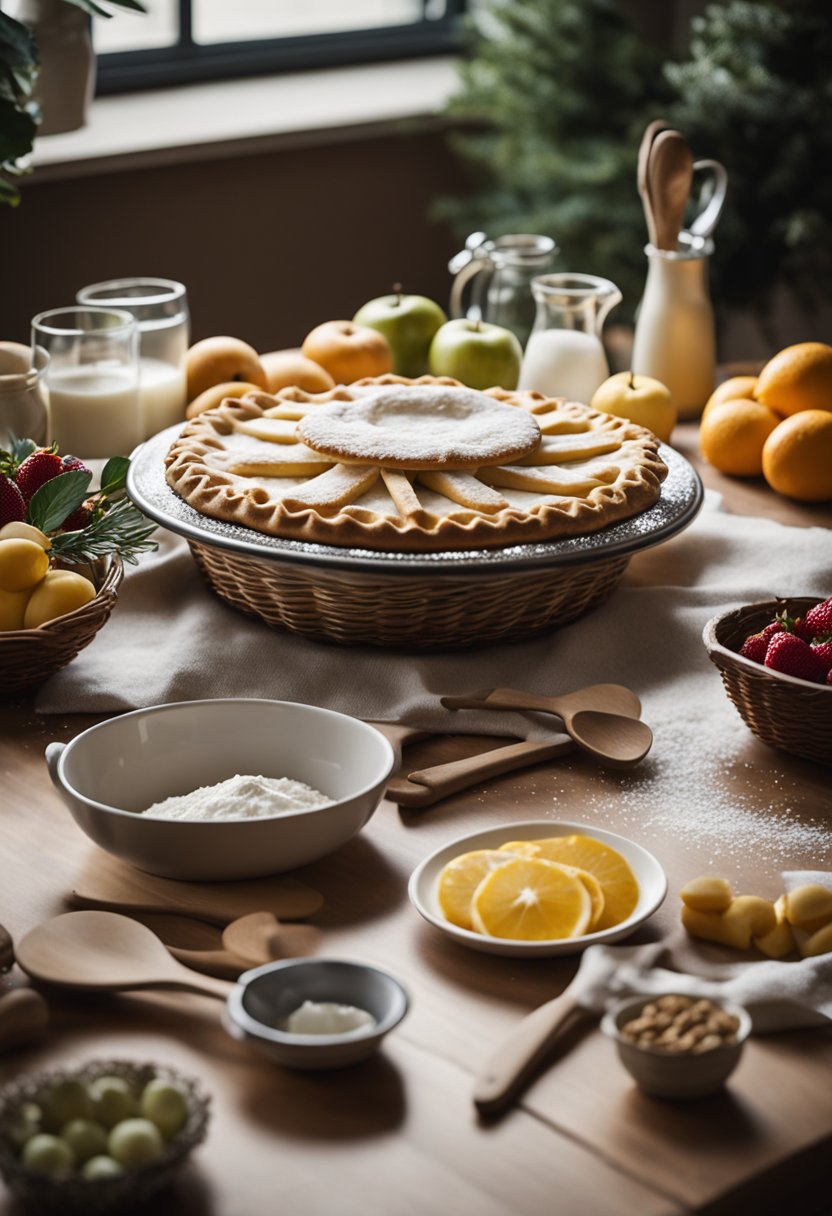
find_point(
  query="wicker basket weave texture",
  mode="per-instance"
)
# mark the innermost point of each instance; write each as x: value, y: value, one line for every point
x: 30, y: 656
x: 786, y: 713
x: 418, y: 611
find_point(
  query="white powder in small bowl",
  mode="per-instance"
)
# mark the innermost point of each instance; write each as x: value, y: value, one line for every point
x: 240, y: 798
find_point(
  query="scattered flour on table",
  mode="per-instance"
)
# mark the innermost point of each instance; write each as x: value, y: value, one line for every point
x: 240, y: 798
x: 696, y: 787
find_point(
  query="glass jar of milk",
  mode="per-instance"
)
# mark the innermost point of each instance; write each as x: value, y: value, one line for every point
x: 160, y: 307
x: 564, y: 356
x: 92, y: 379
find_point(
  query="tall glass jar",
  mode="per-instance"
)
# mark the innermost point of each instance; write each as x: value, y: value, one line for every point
x: 23, y: 413
x: 675, y: 338
x: 493, y: 279
x: 160, y: 307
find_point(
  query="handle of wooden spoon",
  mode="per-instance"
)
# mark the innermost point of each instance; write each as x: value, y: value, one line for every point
x: 501, y: 698
x: 219, y: 963
x: 511, y: 1066
x: 189, y: 981
x: 427, y: 786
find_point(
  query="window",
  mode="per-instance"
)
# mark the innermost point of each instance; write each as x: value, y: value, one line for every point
x: 179, y: 41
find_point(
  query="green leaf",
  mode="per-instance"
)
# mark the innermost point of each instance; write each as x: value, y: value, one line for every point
x: 114, y: 475
x: 21, y: 448
x: 97, y: 10
x: 57, y: 499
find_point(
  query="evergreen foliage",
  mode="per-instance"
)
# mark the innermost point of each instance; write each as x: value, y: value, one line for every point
x: 560, y: 92
x: 756, y: 94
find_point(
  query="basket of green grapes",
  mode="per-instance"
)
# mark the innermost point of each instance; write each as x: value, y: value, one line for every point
x: 99, y: 1138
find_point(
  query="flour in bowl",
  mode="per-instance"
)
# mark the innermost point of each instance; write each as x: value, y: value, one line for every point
x: 240, y: 798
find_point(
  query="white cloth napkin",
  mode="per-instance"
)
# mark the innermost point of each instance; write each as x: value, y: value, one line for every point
x: 171, y: 639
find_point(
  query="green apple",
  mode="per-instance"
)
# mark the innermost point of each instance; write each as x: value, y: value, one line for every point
x: 408, y: 323
x: 640, y: 399
x: 480, y: 355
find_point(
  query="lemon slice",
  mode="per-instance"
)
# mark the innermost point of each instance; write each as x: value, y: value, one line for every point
x: 532, y: 848
x: 617, y: 880
x: 530, y: 900
x: 460, y: 879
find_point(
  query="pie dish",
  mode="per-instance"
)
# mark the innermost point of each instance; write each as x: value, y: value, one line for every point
x: 414, y: 465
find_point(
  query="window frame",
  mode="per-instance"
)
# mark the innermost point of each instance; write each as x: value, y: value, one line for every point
x: 188, y: 62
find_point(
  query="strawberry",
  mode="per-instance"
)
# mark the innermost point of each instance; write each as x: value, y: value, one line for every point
x: 79, y: 518
x: 72, y: 463
x: 12, y: 506
x: 794, y: 657
x: 36, y: 470
x: 818, y: 620
x: 822, y: 647
x: 755, y: 645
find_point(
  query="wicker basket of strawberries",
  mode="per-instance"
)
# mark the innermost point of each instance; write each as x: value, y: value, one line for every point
x: 62, y: 548
x: 775, y: 659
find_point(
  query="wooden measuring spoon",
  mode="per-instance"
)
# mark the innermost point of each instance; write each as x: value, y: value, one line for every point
x: 669, y: 177
x: 642, y: 182
x: 105, y: 952
x: 602, y: 718
x: 260, y: 938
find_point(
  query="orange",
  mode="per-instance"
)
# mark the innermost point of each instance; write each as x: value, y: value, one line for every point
x: 530, y: 900
x: 618, y: 883
x: 732, y: 435
x: 730, y: 390
x: 798, y: 378
x: 797, y: 456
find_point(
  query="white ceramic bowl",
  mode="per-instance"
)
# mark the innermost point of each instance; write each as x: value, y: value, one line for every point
x: 674, y: 1075
x: 122, y: 766
x: 423, y: 888
x: 265, y: 997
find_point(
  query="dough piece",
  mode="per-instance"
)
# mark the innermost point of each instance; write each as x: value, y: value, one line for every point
x: 809, y: 906
x: 707, y: 894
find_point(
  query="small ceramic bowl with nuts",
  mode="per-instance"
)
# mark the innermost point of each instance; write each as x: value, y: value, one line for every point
x: 677, y: 1046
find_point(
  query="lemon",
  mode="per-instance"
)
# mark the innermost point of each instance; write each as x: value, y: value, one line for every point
x: 531, y: 848
x: 732, y: 435
x: 797, y: 457
x: 613, y: 872
x: 797, y: 378
x: 23, y: 563
x: 460, y: 879
x: 531, y: 900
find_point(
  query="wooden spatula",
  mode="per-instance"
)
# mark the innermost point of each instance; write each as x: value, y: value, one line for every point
x: 670, y: 177
x: 651, y: 131
x: 107, y: 883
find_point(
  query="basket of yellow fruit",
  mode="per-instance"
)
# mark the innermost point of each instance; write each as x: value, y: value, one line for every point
x: 62, y: 549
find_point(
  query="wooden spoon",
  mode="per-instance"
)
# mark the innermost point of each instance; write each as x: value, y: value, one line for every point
x: 105, y: 952
x: 260, y: 938
x: 601, y: 719
x: 669, y: 177
x: 650, y: 133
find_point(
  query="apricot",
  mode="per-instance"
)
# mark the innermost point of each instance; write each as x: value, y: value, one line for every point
x: 212, y: 397
x: 60, y: 592
x: 291, y: 369
x: 347, y: 351
x: 218, y: 360
x: 22, y: 564
x: 12, y: 608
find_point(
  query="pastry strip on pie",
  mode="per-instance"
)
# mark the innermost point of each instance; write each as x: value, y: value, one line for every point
x: 427, y: 465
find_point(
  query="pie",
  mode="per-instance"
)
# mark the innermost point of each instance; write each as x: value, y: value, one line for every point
x: 414, y: 465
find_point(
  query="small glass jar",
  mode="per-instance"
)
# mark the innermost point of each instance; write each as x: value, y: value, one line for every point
x: 23, y: 411
x: 160, y: 307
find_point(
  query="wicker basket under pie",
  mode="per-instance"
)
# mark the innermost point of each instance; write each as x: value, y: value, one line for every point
x: 390, y: 480
x: 426, y: 465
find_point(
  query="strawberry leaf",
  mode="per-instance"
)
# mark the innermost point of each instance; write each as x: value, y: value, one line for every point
x: 57, y: 499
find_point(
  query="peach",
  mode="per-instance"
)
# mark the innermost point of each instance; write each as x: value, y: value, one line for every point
x: 23, y: 563
x: 217, y: 360
x: 12, y: 609
x: 212, y: 397
x: 347, y: 351
x: 291, y: 368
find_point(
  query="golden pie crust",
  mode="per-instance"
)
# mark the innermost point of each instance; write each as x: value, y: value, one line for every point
x: 424, y: 465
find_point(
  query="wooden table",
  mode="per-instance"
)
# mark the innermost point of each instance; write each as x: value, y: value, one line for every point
x: 399, y: 1136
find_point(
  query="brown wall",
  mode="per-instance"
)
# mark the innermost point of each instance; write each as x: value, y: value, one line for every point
x: 268, y: 245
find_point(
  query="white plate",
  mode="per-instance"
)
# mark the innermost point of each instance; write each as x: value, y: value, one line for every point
x: 423, y: 887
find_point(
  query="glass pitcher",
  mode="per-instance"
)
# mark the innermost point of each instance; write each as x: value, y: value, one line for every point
x: 564, y: 356
x: 493, y: 279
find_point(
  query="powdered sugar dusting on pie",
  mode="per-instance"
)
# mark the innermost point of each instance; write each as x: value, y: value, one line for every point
x: 421, y: 427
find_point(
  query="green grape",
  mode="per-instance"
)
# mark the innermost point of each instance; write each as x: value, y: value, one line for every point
x: 66, y: 1100
x: 48, y: 1154
x: 85, y: 1138
x: 135, y: 1142
x: 112, y: 1099
x: 100, y: 1168
x: 165, y: 1105
x: 25, y: 1124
